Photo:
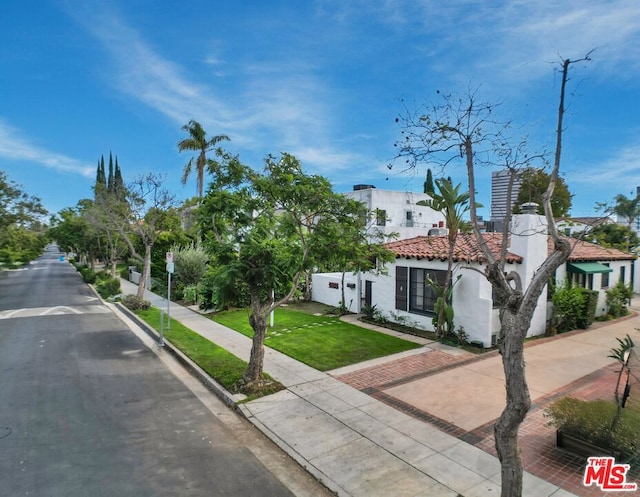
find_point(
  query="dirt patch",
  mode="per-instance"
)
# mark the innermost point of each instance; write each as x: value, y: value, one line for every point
x: 309, y: 307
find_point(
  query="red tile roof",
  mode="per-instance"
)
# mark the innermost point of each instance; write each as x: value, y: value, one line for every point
x: 437, y: 247
x: 586, y: 251
x: 467, y: 249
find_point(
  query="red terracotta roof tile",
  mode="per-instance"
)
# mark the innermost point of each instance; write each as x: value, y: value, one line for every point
x: 437, y: 247
x: 586, y: 251
x: 467, y: 249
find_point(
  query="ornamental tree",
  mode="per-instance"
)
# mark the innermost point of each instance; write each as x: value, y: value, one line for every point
x: 265, y: 230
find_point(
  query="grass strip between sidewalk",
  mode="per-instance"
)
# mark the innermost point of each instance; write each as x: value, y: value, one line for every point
x: 221, y: 365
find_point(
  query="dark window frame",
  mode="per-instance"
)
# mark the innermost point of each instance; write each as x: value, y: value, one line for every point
x: 422, y: 297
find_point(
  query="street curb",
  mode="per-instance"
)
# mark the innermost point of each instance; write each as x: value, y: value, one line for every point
x: 321, y: 477
x: 227, y: 397
x: 231, y: 401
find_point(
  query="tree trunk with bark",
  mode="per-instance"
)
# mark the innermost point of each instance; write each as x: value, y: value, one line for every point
x: 258, y: 322
x: 517, y: 405
x: 146, y: 271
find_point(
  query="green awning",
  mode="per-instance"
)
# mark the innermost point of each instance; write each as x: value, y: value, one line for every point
x: 587, y: 268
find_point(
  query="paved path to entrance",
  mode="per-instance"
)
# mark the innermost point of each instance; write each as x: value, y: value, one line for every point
x: 359, y: 445
x: 450, y: 391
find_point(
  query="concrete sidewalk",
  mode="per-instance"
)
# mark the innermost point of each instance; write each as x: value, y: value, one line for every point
x: 354, y: 444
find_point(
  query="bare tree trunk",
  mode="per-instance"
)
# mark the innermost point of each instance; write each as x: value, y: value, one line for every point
x: 146, y: 271
x: 517, y: 405
x: 258, y: 321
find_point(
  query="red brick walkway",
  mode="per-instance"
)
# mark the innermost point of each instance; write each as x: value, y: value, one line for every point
x: 540, y: 455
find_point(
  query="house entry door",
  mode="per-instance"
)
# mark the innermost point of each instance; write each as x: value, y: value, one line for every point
x: 367, y: 293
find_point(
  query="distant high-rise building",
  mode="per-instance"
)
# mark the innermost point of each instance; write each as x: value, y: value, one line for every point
x: 499, y: 186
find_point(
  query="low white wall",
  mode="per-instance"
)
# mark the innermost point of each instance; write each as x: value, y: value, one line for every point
x: 472, y: 303
x: 326, y: 289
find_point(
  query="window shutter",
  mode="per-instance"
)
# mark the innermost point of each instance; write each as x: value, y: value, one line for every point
x: 401, y: 287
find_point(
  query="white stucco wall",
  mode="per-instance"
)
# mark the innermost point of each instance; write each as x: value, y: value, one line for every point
x: 529, y: 238
x: 396, y: 205
x: 472, y: 302
x: 326, y: 289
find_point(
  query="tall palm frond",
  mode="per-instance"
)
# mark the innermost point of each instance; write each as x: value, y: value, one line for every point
x: 197, y: 142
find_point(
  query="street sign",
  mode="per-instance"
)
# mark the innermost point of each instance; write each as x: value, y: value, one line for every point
x: 170, y: 267
x: 169, y: 257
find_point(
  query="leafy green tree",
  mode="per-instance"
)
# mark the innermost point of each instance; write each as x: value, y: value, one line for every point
x: 73, y: 232
x: 16, y: 206
x: 614, y: 235
x: 625, y: 209
x: 534, y: 184
x: 197, y: 142
x: 190, y: 263
x: 265, y: 230
x: 142, y: 217
x: 628, y: 209
x: 109, y: 198
x: 454, y: 205
x: 21, y: 233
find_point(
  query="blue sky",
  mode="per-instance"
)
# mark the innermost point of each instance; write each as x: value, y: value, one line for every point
x: 323, y: 80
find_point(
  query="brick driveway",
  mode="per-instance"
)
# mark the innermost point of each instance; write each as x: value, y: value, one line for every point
x: 540, y: 455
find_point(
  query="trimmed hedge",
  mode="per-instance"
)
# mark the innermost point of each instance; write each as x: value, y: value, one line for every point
x: 591, y: 421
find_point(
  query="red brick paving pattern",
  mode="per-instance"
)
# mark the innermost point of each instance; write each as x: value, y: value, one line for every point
x: 540, y: 455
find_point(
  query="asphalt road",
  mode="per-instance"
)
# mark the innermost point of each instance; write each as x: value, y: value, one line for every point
x: 86, y: 409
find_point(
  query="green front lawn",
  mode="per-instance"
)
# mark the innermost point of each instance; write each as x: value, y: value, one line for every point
x: 322, y: 342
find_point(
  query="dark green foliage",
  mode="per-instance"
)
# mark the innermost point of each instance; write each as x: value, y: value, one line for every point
x: 135, y: 303
x: 588, y: 312
x: 618, y: 299
x: 534, y: 184
x: 101, y: 177
x: 569, y: 305
x: 428, y: 184
x: 370, y: 312
x: 108, y: 287
x: 614, y: 235
x: 591, y: 421
x: 214, y: 293
x: 88, y: 274
x: 22, y: 235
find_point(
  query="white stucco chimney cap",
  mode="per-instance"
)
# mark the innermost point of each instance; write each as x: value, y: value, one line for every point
x: 529, y: 208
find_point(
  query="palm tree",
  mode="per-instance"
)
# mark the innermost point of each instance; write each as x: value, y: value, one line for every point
x: 453, y: 204
x: 197, y: 141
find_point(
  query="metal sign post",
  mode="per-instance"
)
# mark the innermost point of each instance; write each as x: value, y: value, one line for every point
x: 161, y: 342
x: 170, y: 269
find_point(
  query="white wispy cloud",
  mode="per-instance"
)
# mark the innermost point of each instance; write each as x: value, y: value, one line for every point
x: 15, y: 146
x: 502, y: 42
x: 625, y: 164
x: 274, y: 107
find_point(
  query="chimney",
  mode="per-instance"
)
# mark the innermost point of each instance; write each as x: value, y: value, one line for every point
x: 529, y: 208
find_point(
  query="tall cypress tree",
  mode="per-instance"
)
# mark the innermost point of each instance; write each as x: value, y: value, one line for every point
x: 110, y: 185
x: 118, y: 183
x: 428, y: 184
x: 101, y: 180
